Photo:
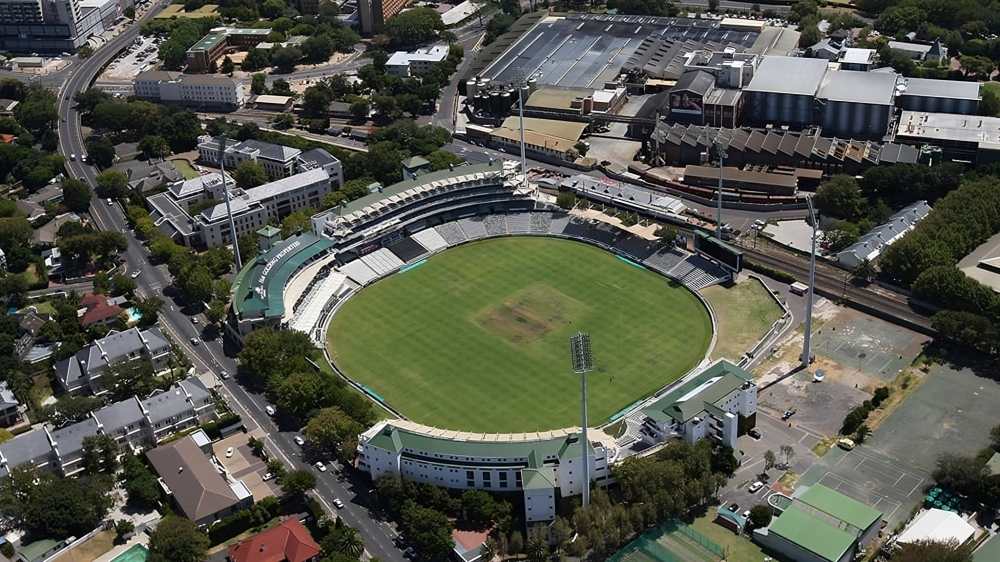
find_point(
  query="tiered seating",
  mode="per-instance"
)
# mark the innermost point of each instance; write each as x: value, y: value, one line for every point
x: 431, y: 239
x: 382, y: 261
x: 408, y: 250
x: 519, y: 223
x: 697, y: 273
x: 541, y: 222
x: 558, y: 223
x: 474, y: 227
x: 451, y: 232
x: 638, y: 248
x: 496, y: 225
x: 359, y: 272
x: 665, y: 259
x: 312, y: 308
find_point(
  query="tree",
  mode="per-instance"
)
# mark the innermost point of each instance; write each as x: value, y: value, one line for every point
x: 283, y: 121
x: 478, y: 508
x: 269, y: 354
x: 490, y: 549
x: 344, y: 540
x: 317, y: 48
x: 769, y: 460
x: 329, y: 429
x: 258, y: 83
x: 149, y: 310
x: 154, y: 146
x: 760, y: 516
x: 787, y: 452
x: 296, y: 483
x: 861, y: 433
x: 76, y: 195
x: 428, y: 530
x: 227, y: 65
x: 123, y: 527
x: 981, y: 67
x: 249, y: 174
x: 140, y: 484
x: 112, y: 183
x: 413, y: 27
x: 48, y: 505
x: 840, y: 197
x: 177, y: 539
x: 442, y: 160
x: 101, y: 151
x: 360, y: 109
x: 566, y: 200
x: 100, y: 454
x: 216, y: 311
x: 933, y: 551
x: 582, y: 148
x: 285, y: 58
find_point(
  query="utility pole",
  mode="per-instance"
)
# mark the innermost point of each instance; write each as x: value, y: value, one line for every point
x: 807, y: 341
x: 583, y: 363
x: 229, y: 209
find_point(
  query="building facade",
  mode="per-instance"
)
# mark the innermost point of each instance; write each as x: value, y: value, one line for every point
x: 134, y: 424
x: 190, y: 90
x: 372, y: 14
x: 405, y: 64
x: 201, y: 55
x: 84, y: 372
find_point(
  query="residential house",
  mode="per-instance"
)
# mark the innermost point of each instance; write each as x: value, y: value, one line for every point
x: 288, y: 541
x: 97, y: 311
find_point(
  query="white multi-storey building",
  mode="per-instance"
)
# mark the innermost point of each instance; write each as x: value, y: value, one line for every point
x: 405, y: 64
x: 719, y: 403
x: 190, y: 90
x: 537, y: 464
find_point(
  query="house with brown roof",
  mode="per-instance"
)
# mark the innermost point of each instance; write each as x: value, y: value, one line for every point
x: 202, y: 490
x: 288, y: 541
x: 97, y: 310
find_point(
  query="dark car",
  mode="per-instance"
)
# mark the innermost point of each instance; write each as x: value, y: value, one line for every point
x: 734, y: 507
x: 755, y: 433
x: 788, y: 413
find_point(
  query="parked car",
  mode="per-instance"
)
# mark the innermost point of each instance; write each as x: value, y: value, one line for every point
x: 755, y: 486
x: 338, y: 503
x: 224, y: 375
x: 755, y: 433
x: 267, y: 477
x: 320, y: 466
x: 195, y: 341
x: 299, y: 440
x: 136, y: 274
x: 788, y: 413
x: 734, y: 507
x: 846, y: 444
x: 270, y: 410
x: 229, y: 453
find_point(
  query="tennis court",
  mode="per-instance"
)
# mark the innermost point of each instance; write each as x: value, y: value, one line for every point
x: 670, y: 542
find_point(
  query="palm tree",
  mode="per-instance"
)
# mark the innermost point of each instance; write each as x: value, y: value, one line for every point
x: 349, y: 542
x: 489, y: 550
x: 536, y: 550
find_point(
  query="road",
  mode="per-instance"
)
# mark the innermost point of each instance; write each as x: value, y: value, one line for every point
x: 209, y: 354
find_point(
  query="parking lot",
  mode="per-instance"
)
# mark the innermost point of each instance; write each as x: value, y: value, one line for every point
x: 244, y: 465
x: 139, y: 57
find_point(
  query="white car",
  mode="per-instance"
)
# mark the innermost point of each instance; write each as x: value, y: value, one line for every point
x: 267, y: 477
x: 299, y: 440
x: 194, y: 320
x: 72, y: 157
x: 270, y: 410
x: 320, y: 466
x: 229, y: 453
x: 224, y: 375
x: 136, y: 274
x: 338, y: 503
x: 755, y: 486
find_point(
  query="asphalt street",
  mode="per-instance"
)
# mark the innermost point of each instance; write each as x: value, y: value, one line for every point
x: 206, y: 355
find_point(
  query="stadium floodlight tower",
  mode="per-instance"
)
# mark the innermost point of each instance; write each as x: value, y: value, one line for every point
x: 807, y: 340
x: 718, y: 152
x: 229, y: 209
x: 583, y: 363
x: 522, y: 83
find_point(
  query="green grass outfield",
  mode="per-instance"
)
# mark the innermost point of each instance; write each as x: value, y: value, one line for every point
x: 477, y: 338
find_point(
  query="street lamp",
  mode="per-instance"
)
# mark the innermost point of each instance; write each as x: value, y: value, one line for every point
x: 583, y: 362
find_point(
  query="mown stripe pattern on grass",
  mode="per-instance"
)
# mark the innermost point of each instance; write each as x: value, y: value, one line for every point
x: 419, y: 339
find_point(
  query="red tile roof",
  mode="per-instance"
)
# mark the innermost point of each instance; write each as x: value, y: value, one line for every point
x: 6, y: 138
x: 98, y: 309
x: 289, y: 541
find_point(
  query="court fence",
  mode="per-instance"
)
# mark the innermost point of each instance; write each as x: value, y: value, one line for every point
x: 647, y: 546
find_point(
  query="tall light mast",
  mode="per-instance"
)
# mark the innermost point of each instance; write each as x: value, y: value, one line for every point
x: 229, y: 208
x: 583, y: 363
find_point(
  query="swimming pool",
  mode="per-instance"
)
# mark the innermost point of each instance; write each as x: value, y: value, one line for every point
x: 137, y: 553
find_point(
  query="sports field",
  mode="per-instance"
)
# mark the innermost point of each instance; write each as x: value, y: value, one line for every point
x: 476, y: 338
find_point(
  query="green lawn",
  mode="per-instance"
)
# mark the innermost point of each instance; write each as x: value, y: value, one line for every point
x: 738, y: 548
x: 184, y: 167
x: 477, y: 338
x: 744, y: 313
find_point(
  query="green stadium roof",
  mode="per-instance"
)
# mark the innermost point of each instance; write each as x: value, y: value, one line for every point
x: 838, y: 505
x: 271, y: 272
x: 687, y: 400
x: 811, y: 533
x: 989, y: 552
x: 423, y: 179
x: 537, y: 451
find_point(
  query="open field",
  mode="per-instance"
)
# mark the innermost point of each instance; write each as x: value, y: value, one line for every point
x: 90, y: 549
x: 185, y: 169
x: 476, y: 339
x: 744, y: 313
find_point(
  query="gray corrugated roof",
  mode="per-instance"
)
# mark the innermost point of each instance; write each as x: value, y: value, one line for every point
x: 7, y: 397
x: 26, y: 447
x: 699, y: 82
x: 859, y: 87
x: 69, y: 439
x: 788, y: 75
x: 953, y: 89
x: 269, y: 150
x: 119, y: 415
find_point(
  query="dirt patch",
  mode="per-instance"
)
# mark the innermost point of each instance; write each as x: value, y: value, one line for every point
x: 529, y: 314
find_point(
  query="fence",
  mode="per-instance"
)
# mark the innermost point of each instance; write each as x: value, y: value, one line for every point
x: 647, y: 546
